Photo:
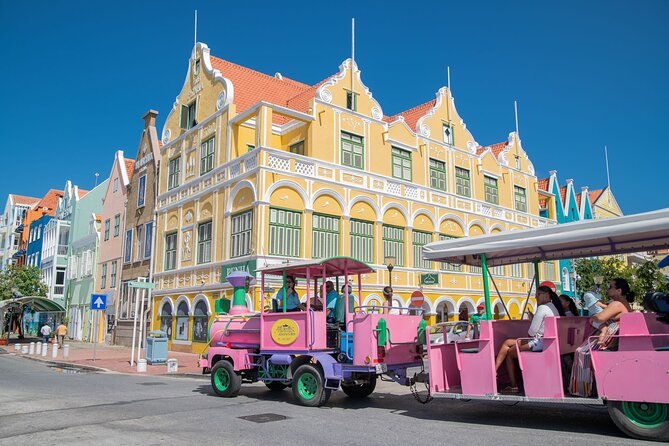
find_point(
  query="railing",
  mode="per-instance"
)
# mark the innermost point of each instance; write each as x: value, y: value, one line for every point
x: 62, y: 250
x: 58, y: 290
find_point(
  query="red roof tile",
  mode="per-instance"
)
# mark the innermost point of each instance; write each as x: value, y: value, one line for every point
x: 22, y: 199
x: 496, y: 149
x: 253, y: 86
x: 563, y: 194
x: 129, y: 165
x: 578, y: 200
x: 83, y: 192
x: 412, y: 115
x: 543, y: 184
x: 49, y: 202
x: 593, y: 195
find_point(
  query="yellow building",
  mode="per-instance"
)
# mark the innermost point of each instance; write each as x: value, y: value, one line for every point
x: 257, y: 169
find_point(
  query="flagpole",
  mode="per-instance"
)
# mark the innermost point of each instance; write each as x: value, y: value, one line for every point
x: 448, y: 109
x: 352, y: 57
x: 608, y: 177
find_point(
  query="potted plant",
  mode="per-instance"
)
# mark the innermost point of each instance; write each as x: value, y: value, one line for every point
x: 3, y: 339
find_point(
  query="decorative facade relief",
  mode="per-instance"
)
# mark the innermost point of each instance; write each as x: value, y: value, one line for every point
x: 186, y: 253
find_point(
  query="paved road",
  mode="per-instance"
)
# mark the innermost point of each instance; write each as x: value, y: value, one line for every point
x: 40, y: 405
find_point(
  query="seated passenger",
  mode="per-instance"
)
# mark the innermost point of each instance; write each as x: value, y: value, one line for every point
x: 568, y: 305
x: 620, y: 295
x: 508, y: 352
x: 388, y: 296
x: 331, y: 297
x: 340, y: 306
x: 292, y: 300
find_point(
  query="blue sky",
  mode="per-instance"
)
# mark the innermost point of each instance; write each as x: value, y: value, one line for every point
x: 78, y: 75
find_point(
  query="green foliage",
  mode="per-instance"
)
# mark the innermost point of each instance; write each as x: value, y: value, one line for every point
x: 25, y: 280
x: 642, y: 278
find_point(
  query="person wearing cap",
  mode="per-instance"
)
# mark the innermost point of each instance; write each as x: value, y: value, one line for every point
x: 475, y: 319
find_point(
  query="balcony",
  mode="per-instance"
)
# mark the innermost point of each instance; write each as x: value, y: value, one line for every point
x: 58, y: 290
x: 62, y: 250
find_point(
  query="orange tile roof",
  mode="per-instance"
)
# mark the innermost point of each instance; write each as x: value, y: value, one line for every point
x: 129, y: 165
x: 594, y: 195
x: 578, y: 199
x: 83, y: 192
x: 496, y: 149
x: 543, y: 184
x: 412, y: 115
x: 543, y: 203
x: 49, y: 202
x: 22, y: 199
x: 563, y: 194
x: 252, y: 86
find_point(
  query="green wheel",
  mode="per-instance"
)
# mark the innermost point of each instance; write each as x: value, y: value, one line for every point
x: 645, y: 421
x: 276, y: 371
x: 360, y: 390
x: 308, y: 388
x: 224, y: 380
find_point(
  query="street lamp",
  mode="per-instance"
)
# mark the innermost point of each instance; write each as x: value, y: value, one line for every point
x: 390, y: 264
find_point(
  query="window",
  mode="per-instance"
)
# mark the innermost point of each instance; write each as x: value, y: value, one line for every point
x: 497, y: 271
x: 200, y: 320
x: 107, y: 225
x: 490, y: 190
x: 462, y: 186
x: 173, y: 169
x: 393, y: 243
x: 448, y: 133
x: 401, y: 164
x: 115, y: 184
x: 117, y: 224
x: 166, y: 320
x: 517, y: 270
x: 242, y: 227
x: 446, y: 266
x: 352, y: 150
x: 207, y: 156
x: 325, y: 236
x: 141, y: 191
x: 148, y: 240
x: 285, y: 232
x: 204, y: 242
x: 475, y: 269
x: 351, y: 100
x: 521, y: 198
x: 297, y: 148
x: 362, y: 240
x: 139, y: 239
x: 127, y: 252
x: 437, y: 174
x: 549, y: 270
x: 103, y: 277
x: 421, y: 239
x: 170, y: 251
x: 188, y: 120
x: 182, y: 322
x: 196, y: 68
x: 112, y: 278
x: 250, y: 147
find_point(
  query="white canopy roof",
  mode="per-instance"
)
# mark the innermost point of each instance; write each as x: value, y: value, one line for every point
x: 588, y: 238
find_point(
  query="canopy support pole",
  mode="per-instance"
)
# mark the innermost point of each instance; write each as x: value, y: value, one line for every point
x: 486, y: 287
x: 492, y: 279
x: 535, y: 280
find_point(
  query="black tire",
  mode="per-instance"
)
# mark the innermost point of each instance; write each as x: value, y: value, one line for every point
x: 308, y: 388
x: 360, y: 390
x: 275, y: 386
x: 645, y: 421
x: 224, y: 380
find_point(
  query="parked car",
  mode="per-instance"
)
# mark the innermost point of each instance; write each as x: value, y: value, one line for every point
x: 455, y: 331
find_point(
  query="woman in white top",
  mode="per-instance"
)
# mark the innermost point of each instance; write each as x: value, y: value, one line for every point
x: 508, y: 353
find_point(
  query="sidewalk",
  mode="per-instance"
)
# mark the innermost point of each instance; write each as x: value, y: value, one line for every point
x: 107, y: 357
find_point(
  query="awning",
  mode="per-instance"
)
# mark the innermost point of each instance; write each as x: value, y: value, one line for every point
x: 620, y: 235
x: 664, y: 262
x: 36, y: 303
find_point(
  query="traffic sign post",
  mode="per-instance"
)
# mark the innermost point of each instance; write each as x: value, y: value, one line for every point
x: 98, y: 303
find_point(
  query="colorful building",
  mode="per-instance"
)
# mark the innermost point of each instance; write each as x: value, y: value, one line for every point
x: 110, y: 252
x: 55, y: 243
x: 16, y: 208
x: 258, y: 169
x: 139, y: 231
x: 33, y: 224
x: 82, y: 256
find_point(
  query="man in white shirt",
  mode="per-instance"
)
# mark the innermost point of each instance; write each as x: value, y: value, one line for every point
x: 46, y: 331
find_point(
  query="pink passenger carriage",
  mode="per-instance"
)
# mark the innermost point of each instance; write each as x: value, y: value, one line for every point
x: 631, y: 380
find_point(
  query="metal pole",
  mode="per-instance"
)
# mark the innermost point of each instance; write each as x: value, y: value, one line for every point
x: 134, y: 329
x: 486, y: 287
x: 141, y: 326
x: 95, y: 331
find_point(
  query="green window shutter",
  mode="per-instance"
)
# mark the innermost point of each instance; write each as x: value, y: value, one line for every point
x: 421, y: 239
x: 184, y: 117
x: 437, y: 174
x: 445, y: 266
x: 362, y: 240
x: 285, y: 232
x: 242, y: 227
x: 325, y: 236
x: 393, y: 243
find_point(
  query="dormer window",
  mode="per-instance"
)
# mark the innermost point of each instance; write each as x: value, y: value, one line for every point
x: 448, y: 134
x: 351, y: 100
x: 188, y: 115
x: 196, y: 68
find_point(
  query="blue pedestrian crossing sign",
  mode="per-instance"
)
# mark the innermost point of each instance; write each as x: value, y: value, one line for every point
x: 98, y: 301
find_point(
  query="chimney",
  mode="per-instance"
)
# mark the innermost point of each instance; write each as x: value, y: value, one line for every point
x: 150, y: 118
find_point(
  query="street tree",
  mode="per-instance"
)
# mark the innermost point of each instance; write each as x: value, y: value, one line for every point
x: 18, y: 281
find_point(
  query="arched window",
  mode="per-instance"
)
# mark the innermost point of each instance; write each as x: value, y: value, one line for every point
x: 166, y: 319
x: 200, y: 319
x: 182, y: 322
